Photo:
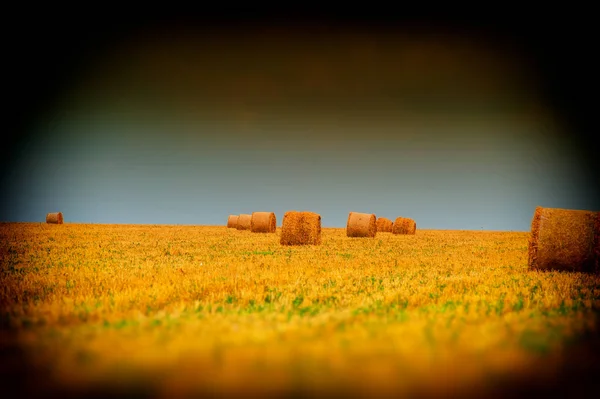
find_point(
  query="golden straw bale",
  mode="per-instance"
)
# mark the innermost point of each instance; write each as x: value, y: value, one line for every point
x: 54, y: 218
x: 404, y: 226
x: 361, y: 225
x: 232, y: 221
x: 410, y: 226
x: 244, y: 221
x: 384, y: 225
x: 301, y: 228
x: 565, y: 240
x: 263, y: 222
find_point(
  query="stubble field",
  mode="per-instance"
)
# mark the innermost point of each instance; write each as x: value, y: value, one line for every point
x: 167, y: 311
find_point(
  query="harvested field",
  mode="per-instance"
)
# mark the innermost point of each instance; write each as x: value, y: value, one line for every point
x: 177, y: 311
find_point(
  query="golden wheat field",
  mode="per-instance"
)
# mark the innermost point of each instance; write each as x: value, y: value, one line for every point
x: 177, y: 311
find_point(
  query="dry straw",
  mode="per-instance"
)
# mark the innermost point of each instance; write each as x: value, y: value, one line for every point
x: 384, y: 225
x: 232, y: 221
x: 301, y: 228
x: 54, y: 218
x: 565, y: 240
x: 244, y: 221
x: 361, y: 225
x: 404, y: 226
x: 263, y: 222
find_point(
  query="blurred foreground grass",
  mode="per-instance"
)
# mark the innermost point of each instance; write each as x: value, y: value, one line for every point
x: 166, y: 311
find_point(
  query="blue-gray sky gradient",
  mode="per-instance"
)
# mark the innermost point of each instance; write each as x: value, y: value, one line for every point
x: 187, y: 129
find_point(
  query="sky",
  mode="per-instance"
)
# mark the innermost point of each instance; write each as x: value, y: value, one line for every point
x: 178, y: 124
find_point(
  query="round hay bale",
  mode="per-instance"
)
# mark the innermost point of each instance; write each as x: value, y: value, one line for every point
x: 263, y: 222
x: 404, y: 226
x: 54, y: 218
x: 564, y: 240
x: 384, y: 225
x: 232, y: 221
x: 301, y: 228
x: 361, y: 225
x: 244, y: 221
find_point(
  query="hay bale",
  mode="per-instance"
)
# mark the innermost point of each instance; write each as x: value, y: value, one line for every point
x: 244, y: 221
x: 384, y: 225
x: 232, y: 221
x: 361, y: 225
x: 54, y: 218
x: 565, y: 240
x: 263, y: 222
x: 301, y: 228
x: 404, y: 226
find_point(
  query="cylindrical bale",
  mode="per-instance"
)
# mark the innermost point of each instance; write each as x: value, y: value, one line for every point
x: 263, y: 222
x: 232, y: 221
x: 564, y: 240
x: 404, y: 226
x: 54, y: 218
x: 244, y: 221
x: 384, y: 225
x: 410, y: 226
x: 361, y: 225
x: 301, y: 228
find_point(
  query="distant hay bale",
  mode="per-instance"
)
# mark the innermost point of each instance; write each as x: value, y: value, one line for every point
x: 301, y: 228
x: 54, y: 218
x: 384, y: 225
x: 404, y: 226
x: 263, y: 222
x: 361, y: 225
x: 232, y: 221
x: 244, y: 221
x: 564, y: 240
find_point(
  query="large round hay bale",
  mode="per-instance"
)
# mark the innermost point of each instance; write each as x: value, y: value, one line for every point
x: 244, y: 221
x: 54, y: 218
x: 384, y: 225
x: 301, y: 228
x: 361, y: 225
x: 404, y: 226
x: 263, y: 222
x: 565, y: 240
x: 232, y: 221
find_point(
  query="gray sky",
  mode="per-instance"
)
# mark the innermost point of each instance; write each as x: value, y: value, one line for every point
x: 186, y: 129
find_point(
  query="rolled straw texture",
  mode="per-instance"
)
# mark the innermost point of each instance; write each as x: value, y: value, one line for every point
x: 301, y: 228
x: 54, y: 218
x: 232, y: 221
x: 263, y: 222
x: 404, y: 226
x: 361, y: 225
x: 244, y: 221
x: 564, y: 240
x: 384, y: 225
